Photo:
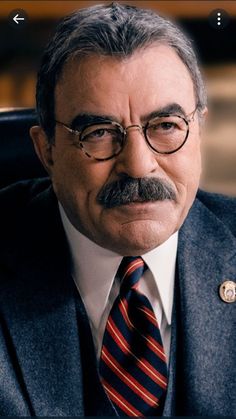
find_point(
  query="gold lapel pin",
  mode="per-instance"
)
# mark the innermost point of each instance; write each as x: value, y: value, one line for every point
x: 227, y: 291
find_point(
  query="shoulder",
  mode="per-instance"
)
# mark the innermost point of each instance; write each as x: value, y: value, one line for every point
x: 223, y: 207
x: 15, y: 199
x: 22, y: 192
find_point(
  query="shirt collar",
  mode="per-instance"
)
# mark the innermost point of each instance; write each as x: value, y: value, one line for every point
x: 94, y: 269
x: 161, y: 262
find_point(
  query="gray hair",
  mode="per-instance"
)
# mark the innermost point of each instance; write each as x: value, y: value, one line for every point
x: 116, y: 30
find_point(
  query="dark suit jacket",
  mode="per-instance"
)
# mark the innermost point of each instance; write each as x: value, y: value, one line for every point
x: 47, y: 360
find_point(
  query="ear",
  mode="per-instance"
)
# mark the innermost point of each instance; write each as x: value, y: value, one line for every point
x: 204, y: 112
x: 202, y: 119
x: 42, y: 147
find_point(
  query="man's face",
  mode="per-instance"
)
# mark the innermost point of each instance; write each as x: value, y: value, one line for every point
x: 129, y: 91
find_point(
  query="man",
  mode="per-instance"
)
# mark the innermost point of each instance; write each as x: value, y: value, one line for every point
x: 110, y: 277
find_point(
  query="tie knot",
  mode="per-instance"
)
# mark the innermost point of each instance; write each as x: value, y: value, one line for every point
x: 130, y: 271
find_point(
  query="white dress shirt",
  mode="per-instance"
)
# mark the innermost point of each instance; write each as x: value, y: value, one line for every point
x: 94, y: 271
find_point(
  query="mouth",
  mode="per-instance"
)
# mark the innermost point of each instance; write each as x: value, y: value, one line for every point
x: 140, y: 206
x: 139, y: 202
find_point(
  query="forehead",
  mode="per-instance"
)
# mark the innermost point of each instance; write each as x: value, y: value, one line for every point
x: 150, y: 78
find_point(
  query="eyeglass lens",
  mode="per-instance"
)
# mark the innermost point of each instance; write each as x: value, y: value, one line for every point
x: 164, y: 134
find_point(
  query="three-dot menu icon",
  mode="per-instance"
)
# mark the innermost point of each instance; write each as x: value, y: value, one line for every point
x: 219, y: 19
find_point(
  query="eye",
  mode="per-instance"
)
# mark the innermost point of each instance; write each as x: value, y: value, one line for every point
x: 105, y: 133
x: 161, y: 127
x: 166, y: 126
x: 100, y: 133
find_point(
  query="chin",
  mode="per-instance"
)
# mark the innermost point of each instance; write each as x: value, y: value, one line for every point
x: 139, y: 238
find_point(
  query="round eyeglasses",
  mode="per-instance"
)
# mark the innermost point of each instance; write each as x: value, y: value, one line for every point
x: 164, y: 134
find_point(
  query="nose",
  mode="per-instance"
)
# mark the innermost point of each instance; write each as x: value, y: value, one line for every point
x: 133, y: 127
x: 136, y: 159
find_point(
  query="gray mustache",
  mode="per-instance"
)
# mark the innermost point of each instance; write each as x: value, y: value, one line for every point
x: 127, y: 190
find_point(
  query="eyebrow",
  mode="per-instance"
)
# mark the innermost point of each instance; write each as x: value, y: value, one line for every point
x: 170, y: 109
x: 84, y: 119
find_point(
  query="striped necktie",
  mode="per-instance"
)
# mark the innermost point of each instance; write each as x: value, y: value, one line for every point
x: 133, y: 366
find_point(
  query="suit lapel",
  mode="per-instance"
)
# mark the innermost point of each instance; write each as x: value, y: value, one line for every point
x: 206, y: 366
x: 169, y: 407
x: 99, y: 404
x: 40, y: 315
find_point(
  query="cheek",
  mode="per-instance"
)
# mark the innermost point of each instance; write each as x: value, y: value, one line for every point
x: 76, y: 174
x: 188, y: 167
x: 188, y: 161
x: 184, y: 169
x: 192, y: 160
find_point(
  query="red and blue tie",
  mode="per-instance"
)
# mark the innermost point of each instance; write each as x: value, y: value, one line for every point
x: 133, y: 367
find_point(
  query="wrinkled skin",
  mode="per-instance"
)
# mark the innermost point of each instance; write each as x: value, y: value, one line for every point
x: 129, y: 90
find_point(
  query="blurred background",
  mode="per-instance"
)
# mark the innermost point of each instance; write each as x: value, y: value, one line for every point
x: 21, y: 49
